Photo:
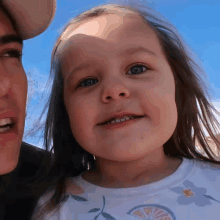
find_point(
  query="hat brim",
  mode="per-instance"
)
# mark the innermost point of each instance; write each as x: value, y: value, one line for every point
x: 32, y: 17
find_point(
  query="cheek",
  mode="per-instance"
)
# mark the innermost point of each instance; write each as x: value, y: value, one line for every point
x: 18, y: 78
x: 20, y: 88
x: 83, y: 107
x: 162, y: 115
x: 160, y: 102
x: 12, y: 65
x: 80, y: 114
x: 168, y: 113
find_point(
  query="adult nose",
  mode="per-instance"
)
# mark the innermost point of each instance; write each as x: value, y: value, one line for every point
x: 115, y: 91
x: 4, y: 85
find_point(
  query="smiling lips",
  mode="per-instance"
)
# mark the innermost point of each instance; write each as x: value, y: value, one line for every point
x: 117, y: 120
x: 118, y: 123
x: 7, y: 121
x: 119, y: 117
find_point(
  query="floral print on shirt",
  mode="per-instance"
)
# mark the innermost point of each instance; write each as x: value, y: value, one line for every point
x: 192, y: 194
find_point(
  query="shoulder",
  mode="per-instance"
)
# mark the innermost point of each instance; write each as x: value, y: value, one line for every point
x: 45, y: 197
x: 72, y: 187
x: 41, y: 205
x: 17, y: 201
x: 207, y: 171
x: 30, y: 161
x: 31, y: 154
x: 43, y: 210
x: 206, y: 165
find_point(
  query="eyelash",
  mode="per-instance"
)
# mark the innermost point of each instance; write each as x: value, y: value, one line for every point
x: 129, y: 69
x: 13, y: 54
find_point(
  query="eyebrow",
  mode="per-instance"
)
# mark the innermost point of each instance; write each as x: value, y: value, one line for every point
x: 129, y: 51
x: 134, y: 50
x: 11, y: 38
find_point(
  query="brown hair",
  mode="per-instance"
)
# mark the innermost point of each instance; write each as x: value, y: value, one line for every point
x: 191, y: 94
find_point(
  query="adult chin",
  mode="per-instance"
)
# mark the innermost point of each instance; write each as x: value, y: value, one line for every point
x: 9, y: 151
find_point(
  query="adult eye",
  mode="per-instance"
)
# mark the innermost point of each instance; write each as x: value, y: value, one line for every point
x: 12, y: 54
x: 137, y: 69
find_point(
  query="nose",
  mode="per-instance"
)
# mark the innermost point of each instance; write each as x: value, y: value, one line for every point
x: 115, y: 91
x: 4, y: 85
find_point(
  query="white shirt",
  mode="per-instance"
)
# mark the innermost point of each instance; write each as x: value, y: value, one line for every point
x: 191, y: 192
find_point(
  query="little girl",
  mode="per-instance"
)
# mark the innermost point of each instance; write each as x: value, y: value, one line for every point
x: 124, y: 145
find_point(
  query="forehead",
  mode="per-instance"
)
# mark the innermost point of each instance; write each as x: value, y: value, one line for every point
x: 5, y: 24
x: 108, y: 34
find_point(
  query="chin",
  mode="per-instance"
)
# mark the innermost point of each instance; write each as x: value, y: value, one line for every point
x: 7, y: 167
x: 9, y: 157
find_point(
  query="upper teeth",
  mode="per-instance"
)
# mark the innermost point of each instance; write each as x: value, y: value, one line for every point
x: 5, y: 121
x: 116, y: 120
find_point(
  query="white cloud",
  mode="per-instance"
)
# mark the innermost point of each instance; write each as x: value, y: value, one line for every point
x: 37, y: 96
x: 35, y: 138
x: 36, y: 81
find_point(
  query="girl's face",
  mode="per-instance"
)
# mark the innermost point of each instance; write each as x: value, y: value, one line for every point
x: 100, y: 81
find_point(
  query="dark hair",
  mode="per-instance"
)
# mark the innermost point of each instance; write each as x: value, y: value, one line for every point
x: 190, y: 93
x: 13, y: 22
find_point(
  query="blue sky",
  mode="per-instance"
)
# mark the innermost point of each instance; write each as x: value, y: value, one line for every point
x: 196, y: 20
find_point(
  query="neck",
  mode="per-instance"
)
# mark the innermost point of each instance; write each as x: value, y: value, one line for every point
x: 145, y: 170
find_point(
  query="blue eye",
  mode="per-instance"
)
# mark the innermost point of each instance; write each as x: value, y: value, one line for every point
x: 87, y: 80
x: 137, y: 69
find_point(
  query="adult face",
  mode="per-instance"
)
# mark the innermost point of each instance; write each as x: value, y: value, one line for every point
x: 94, y: 92
x: 13, y: 95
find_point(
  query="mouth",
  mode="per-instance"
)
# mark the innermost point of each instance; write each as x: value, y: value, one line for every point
x: 7, y: 127
x: 115, y: 122
x: 121, y: 124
